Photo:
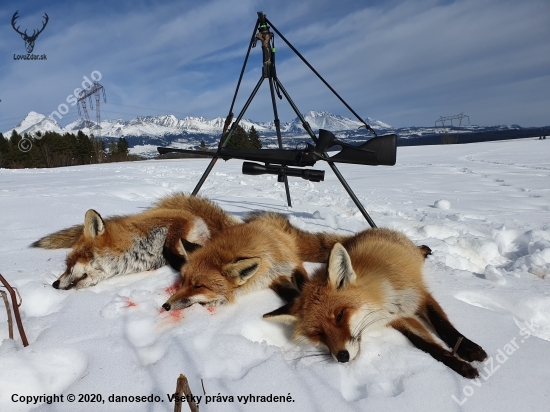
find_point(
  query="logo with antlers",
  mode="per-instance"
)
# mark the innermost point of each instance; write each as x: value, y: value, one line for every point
x: 29, y: 40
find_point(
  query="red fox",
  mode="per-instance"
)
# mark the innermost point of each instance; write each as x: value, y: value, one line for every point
x: 166, y: 233
x: 372, y: 280
x: 248, y: 257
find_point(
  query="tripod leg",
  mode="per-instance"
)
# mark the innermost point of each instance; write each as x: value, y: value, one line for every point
x: 289, y: 202
x: 332, y: 165
x: 242, y: 112
x: 319, y: 76
x: 352, y: 195
x: 237, y: 120
x: 214, y: 159
x: 204, y: 176
x: 279, y: 139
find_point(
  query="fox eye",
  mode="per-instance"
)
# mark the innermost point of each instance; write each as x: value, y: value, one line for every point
x: 84, y: 276
x: 197, y: 286
x: 339, y: 316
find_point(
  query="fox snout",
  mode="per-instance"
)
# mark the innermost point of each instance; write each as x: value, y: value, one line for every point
x: 177, y: 304
x: 56, y: 284
x: 342, y: 356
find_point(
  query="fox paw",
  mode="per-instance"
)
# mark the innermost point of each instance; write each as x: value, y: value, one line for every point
x: 470, y: 351
x: 468, y: 371
x: 425, y: 250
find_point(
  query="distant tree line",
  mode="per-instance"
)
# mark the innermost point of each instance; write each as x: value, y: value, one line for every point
x: 240, y: 139
x: 52, y: 149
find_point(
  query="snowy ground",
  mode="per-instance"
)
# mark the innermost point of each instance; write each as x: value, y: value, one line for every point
x: 484, y: 209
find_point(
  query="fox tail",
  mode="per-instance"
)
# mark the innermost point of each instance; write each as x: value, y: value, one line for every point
x: 62, y: 239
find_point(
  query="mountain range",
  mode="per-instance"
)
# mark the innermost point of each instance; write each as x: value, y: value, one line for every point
x: 145, y: 133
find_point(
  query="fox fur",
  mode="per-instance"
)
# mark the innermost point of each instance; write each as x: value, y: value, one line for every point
x: 165, y: 233
x: 212, y: 214
x: 248, y: 257
x: 372, y: 280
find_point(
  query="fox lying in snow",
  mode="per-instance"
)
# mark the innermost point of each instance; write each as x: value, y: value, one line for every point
x: 373, y: 279
x: 248, y: 257
x: 165, y: 233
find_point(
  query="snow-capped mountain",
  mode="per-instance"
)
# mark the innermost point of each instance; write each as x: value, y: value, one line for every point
x: 36, y: 122
x: 145, y: 133
x: 170, y: 125
x: 322, y: 120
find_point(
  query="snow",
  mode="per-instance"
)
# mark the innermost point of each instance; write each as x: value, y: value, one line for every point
x: 35, y: 122
x: 490, y: 271
x: 442, y: 204
x: 166, y: 125
x: 377, y: 124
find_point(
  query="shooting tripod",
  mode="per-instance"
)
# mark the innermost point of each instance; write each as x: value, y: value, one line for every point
x: 379, y: 150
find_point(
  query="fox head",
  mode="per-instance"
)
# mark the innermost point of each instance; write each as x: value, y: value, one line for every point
x: 212, y: 280
x: 94, y: 257
x: 327, y: 309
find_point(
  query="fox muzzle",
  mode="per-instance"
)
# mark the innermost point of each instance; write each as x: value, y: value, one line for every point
x: 343, y: 356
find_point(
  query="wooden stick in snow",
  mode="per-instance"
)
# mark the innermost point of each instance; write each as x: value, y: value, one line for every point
x: 10, y: 321
x: 182, y: 388
x: 15, y: 311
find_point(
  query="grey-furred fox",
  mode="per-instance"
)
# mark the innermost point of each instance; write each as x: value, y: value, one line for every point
x: 168, y: 232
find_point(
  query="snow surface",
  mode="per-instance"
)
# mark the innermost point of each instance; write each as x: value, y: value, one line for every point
x: 490, y: 270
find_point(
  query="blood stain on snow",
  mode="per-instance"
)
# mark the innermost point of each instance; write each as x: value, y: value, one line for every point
x: 171, y: 317
x: 129, y: 302
x: 170, y: 290
x: 176, y: 315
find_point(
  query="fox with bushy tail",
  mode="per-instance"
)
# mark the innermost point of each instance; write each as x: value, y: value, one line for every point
x: 168, y: 232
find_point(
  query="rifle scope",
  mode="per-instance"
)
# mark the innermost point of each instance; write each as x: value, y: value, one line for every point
x: 312, y: 175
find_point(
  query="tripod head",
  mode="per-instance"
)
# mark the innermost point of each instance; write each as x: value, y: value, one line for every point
x: 266, y: 38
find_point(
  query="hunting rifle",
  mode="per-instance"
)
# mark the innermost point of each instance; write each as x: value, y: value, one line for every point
x: 380, y: 150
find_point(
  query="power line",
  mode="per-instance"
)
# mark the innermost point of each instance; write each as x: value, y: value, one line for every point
x: 459, y: 117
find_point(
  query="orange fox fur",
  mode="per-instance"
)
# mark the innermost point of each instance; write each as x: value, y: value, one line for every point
x: 212, y: 214
x: 373, y: 279
x: 165, y: 233
x: 248, y: 257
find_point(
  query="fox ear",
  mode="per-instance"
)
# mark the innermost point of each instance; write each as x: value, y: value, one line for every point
x: 281, y: 315
x: 299, y: 279
x: 94, y: 225
x: 178, y: 255
x: 184, y: 247
x: 286, y: 290
x: 199, y: 233
x: 340, y: 271
x: 242, y: 269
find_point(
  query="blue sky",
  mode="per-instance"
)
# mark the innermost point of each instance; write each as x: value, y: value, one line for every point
x: 403, y: 62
